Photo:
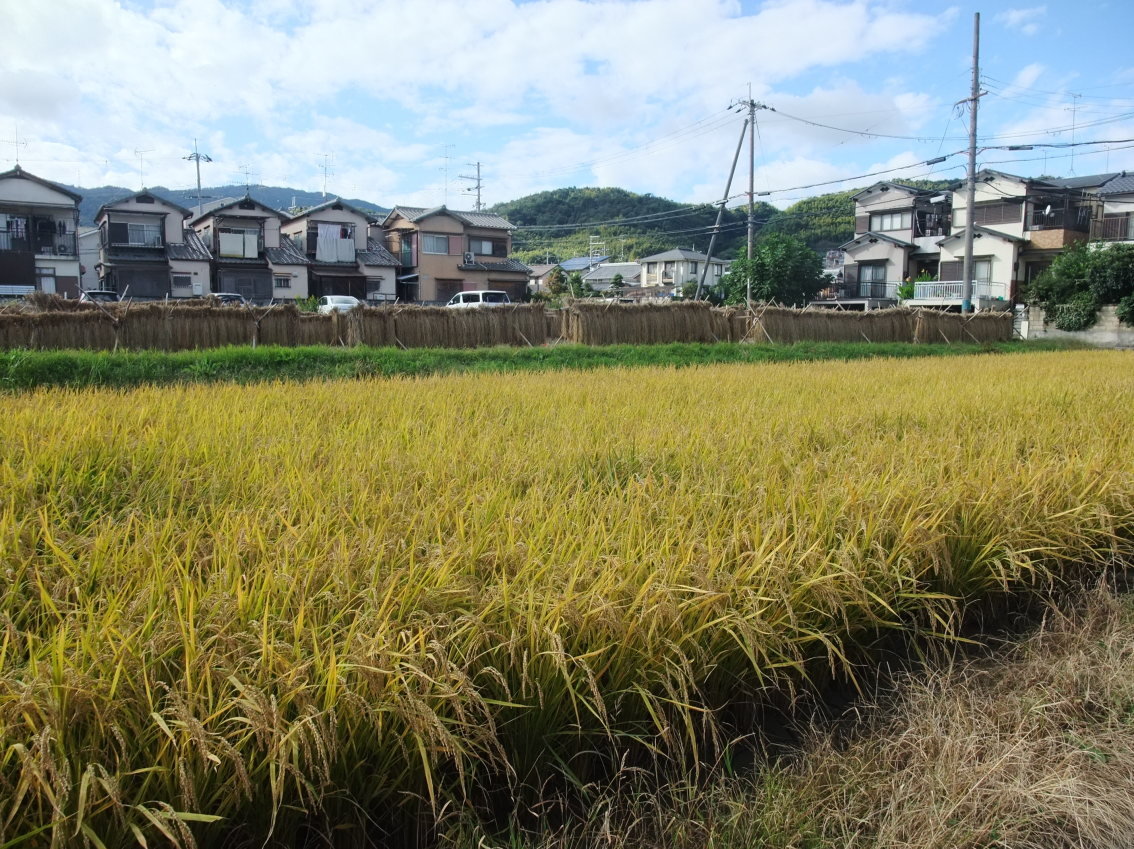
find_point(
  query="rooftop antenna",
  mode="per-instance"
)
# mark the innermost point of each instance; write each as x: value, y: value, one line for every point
x: 328, y: 169
x: 16, y: 142
x: 197, y: 157
x: 445, y: 170
x: 246, y: 170
x: 1074, y: 107
x: 478, y: 183
x: 141, y: 154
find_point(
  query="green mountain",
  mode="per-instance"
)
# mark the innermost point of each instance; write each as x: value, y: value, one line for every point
x: 277, y: 197
x: 562, y: 223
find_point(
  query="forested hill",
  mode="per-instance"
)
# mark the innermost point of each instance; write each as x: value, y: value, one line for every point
x: 277, y: 197
x: 628, y: 225
x: 654, y: 224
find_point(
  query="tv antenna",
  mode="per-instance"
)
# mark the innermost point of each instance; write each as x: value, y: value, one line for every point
x: 328, y: 169
x: 246, y: 170
x: 197, y: 157
x: 141, y: 154
x: 445, y: 170
x: 477, y: 183
x: 16, y: 142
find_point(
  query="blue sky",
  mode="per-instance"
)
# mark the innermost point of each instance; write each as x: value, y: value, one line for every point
x: 400, y: 97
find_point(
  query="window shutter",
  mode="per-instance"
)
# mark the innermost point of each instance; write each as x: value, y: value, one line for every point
x: 500, y: 249
x: 861, y: 223
x: 312, y: 239
x: 456, y: 243
x: 950, y: 271
x: 850, y: 273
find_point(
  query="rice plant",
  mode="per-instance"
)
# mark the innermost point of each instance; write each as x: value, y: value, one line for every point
x: 352, y: 611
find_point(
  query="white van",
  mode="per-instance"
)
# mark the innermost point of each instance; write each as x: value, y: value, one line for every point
x: 480, y: 298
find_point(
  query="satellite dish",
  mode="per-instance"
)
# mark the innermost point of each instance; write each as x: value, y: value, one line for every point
x: 1047, y: 210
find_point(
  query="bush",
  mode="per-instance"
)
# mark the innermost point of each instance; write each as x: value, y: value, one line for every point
x: 1125, y: 310
x: 1078, y: 313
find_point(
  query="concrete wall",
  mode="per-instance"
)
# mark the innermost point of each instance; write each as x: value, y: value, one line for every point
x: 1108, y: 332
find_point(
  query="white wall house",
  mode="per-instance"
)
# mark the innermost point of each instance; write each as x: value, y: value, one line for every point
x: 39, y: 248
x: 679, y: 267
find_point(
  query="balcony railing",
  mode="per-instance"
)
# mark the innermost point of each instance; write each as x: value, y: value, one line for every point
x: 41, y: 244
x: 952, y: 290
x: 877, y: 290
x: 1057, y: 219
x: 1117, y: 229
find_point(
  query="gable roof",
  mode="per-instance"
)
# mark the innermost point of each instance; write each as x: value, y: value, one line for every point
x: 144, y: 193
x: 473, y: 219
x: 224, y: 203
x: 609, y: 270
x: 335, y: 202
x: 979, y: 231
x: 889, y: 184
x: 19, y: 173
x: 679, y: 253
x: 1087, y: 182
x: 872, y: 236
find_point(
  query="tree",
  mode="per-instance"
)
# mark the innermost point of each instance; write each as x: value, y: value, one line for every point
x: 782, y: 269
x: 1082, y: 279
x: 616, y: 285
x: 556, y: 281
x: 575, y: 285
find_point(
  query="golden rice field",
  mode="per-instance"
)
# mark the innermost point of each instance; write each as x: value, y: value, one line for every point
x: 322, y: 613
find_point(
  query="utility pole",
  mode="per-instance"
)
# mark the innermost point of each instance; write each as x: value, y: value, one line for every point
x: 970, y: 182
x: 720, y: 212
x: 327, y: 169
x: 752, y: 106
x: 198, y: 157
x: 476, y: 180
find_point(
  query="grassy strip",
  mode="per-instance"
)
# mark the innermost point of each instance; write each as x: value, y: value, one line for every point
x: 23, y: 369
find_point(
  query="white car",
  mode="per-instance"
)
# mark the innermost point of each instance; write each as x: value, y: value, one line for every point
x: 480, y: 298
x: 337, y: 303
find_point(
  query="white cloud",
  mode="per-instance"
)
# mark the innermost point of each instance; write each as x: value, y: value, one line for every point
x: 1026, y: 21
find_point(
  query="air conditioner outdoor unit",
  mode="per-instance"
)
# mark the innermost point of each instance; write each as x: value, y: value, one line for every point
x: 470, y: 258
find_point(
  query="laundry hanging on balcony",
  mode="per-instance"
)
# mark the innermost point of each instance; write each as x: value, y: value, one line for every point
x: 332, y: 246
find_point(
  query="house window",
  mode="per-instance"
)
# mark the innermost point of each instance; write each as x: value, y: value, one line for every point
x: 667, y: 270
x: 44, y: 278
x: 488, y: 247
x: 881, y: 221
x: 982, y: 271
x: 182, y: 281
x: 717, y: 269
x: 693, y: 268
x: 282, y: 281
x: 434, y: 244
x: 874, y: 272
x: 238, y: 242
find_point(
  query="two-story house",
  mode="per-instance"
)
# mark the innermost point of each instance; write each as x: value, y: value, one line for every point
x: 345, y: 258
x: 39, y: 222
x: 248, y: 255
x: 146, y: 252
x: 444, y: 251
x: 1114, y: 215
x: 1020, y: 224
x: 679, y: 267
x: 896, y: 230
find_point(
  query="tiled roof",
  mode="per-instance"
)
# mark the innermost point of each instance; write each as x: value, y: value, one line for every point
x: 192, y: 248
x: 369, y: 216
x: 579, y: 263
x: 224, y: 203
x: 880, y: 183
x: 473, y: 219
x: 509, y: 265
x: 678, y: 253
x: 1088, y: 182
x: 144, y: 193
x: 241, y: 260
x: 607, y: 271
x: 980, y: 231
x: 540, y: 270
x: 1121, y: 184
x: 286, y: 254
x: 376, y: 254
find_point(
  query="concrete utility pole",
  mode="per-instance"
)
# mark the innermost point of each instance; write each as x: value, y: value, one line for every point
x: 970, y: 182
x: 477, y: 183
x: 752, y: 106
x: 720, y: 212
x: 198, y: 158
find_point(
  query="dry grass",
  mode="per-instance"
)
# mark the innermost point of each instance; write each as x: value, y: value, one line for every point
x: 1033, y: 749
x: 357, y: 605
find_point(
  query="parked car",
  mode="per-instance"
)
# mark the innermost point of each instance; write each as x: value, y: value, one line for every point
x: 338, y: 303
x: 480, y: 298
x: 228, y: 299
x: 102, y: 296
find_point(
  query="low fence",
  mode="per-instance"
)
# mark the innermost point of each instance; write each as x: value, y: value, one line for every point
x: 179, y: 327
